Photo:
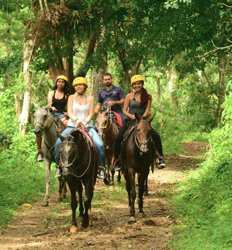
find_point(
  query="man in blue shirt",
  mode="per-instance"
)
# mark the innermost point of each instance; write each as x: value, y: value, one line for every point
x: 111, y: 96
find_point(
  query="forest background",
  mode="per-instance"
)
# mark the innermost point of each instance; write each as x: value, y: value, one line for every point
x: 183, y: 47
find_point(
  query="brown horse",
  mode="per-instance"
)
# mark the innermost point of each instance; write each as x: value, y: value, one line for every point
x: 137, y: 155
x: 108, y: 130
x: 46, y: 125
x: 78, y: 161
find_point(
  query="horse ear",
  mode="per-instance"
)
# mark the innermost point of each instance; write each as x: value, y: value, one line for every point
x: 75, y: 134
x: 138, y: 117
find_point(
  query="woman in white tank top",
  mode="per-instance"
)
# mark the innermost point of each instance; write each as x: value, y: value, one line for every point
x: 80, y: 111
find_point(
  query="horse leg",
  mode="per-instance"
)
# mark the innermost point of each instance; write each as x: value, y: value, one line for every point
x: 87, y: 203
x: 119, y: 176
x: 81, y: 207
x: 142, y: 178
x: 127, y: 187
x: 73, y: 228
x: 146, y: 187
x: 47, y: 182
x: 112, y: 174
x: 132, y: 195
x: 62, y: 188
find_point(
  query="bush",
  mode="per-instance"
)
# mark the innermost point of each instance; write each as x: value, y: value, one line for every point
x: 204, y: 201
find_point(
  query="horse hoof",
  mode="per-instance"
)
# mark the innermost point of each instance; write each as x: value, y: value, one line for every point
x: 107, y: 182
x: 131, y: 220
x: 73, y: 229
x: 141, y: 214
x: 85, y: 223
x: 45, y: 204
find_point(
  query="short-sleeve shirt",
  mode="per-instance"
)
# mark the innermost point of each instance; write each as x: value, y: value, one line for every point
x: 114, y: 94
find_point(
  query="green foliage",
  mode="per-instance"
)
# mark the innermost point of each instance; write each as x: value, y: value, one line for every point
x: 21, y: 179
x: 204, y: 201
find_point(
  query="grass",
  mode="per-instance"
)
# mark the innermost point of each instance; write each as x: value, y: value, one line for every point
x: 204, y: 206
x: 22, y: 180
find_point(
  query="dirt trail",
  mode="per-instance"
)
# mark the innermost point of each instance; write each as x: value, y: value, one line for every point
x: 36, y: 227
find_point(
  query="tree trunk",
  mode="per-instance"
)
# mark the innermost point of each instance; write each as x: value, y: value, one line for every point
x: 158, y: 95
x: 29, y: 48
x: 83, y: 69
x: 97, y: 76
x: 172, y: 85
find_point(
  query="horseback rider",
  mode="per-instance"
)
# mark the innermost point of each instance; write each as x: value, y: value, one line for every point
x: 57, y: 102
x: 112, y: 97
x: 80, y: 111
x: 138, y: 102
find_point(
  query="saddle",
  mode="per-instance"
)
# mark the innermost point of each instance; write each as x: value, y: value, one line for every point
x: 118, y: 119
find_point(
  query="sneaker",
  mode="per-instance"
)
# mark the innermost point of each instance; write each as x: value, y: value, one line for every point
x: 40, y: 157
x: 161, y: 163
x: 117, y: 168
x: 58, y: 173
x: 101, y: 172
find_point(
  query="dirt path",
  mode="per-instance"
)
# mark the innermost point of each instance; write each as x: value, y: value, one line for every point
x: 36, y: 227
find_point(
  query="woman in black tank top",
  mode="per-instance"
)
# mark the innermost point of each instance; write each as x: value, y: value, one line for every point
x: 57, y: 101
x: 138, y: 102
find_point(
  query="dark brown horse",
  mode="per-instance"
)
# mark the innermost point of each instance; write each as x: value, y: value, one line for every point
x: 137, y: 155
x: 78, y: 162
x: 108, y: 130
x: 47, y: 125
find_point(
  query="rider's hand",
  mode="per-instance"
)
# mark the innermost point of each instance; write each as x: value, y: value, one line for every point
x: 132, y: 117
x: 110, y: 103
x: 79, y: 124
x: 54, y: 109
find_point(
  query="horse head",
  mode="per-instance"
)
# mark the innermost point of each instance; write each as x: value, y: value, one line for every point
x: 71, y: 152
x: 104, y: 120
x: 42, y: 119
x: 143, y: 133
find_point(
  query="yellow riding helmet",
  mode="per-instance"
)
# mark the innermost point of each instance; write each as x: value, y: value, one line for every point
x: 80, y: 80
x: 62, y: 77
x: 137, y: 78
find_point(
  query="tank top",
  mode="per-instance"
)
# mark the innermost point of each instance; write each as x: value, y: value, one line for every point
x: 80, y: 111
x: 59, y: 104
x: 136, y: 108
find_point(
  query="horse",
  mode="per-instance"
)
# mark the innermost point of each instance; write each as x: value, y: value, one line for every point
x: 78, y: 160
x: 137, y: 155
x: 108, y: 130
x: 47, y: 125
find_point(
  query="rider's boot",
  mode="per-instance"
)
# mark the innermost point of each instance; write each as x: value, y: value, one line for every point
x: 39, y: 156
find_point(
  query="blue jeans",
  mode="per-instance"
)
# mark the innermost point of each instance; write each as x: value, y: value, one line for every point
x: 96, y: 140
x: 67, y: 131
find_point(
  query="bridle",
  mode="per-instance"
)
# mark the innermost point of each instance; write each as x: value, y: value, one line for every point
x: 143, y: 147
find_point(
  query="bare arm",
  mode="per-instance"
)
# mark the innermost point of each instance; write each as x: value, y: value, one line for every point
x: 91, y: 109
x: 69, y: 109
x: 50, y: 95
x: 126, y: 107
x: 97, y: 108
